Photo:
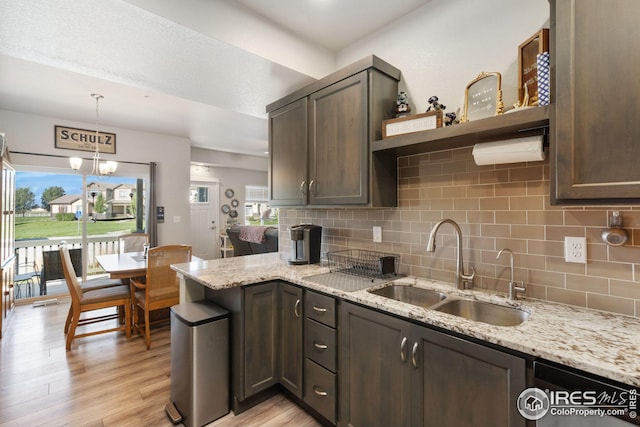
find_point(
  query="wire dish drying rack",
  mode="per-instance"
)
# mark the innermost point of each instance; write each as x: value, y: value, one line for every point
x: 364, y: 263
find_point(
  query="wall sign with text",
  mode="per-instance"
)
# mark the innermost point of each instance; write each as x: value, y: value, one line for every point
x: 84, y: 140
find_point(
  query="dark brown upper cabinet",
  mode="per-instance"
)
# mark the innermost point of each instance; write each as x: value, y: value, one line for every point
x: 595, y: 131
x: 320, y: 136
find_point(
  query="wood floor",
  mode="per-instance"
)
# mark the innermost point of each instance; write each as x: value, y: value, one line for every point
x: 105, y: 380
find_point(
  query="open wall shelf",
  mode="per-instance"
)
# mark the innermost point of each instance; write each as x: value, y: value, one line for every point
x: 532, y: 121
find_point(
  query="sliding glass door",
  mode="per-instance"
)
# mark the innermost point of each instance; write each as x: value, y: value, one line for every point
x: 85, y: 212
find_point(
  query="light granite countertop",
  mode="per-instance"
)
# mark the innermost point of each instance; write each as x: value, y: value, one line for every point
x: 598, y: 342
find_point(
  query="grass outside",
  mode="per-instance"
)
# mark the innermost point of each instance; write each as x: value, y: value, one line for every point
x: 43, y: 227
x: 270, y: 221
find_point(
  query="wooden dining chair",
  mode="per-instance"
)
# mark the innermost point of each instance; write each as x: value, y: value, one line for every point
x: 133, y: 242
x: 93, y: 285
x: 160, y: 287
x: 81, y: 302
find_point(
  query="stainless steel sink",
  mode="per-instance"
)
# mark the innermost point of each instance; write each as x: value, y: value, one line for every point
x: 410, y: 294
x: 483, y: 312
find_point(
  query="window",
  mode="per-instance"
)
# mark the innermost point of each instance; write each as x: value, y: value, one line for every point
x: 198, y: 194
x: 256, y: 206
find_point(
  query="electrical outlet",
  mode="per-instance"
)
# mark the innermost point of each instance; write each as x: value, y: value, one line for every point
x: 575, y: 249
x: 377, y: 234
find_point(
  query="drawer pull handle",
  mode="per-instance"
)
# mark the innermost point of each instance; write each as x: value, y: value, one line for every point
x: 414, y: 355
x: 319, y: 346
x: 319, y: 309
x: 296, y: 308
x: 403, y: 350
x: 317, y: 390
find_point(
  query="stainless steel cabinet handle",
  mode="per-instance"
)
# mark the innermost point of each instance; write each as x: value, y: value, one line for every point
x: 403, y: 350
x: 319, y: 309
x: 317, y: 390
x: 414, y: 355
x: 302, y: 188
x: 311, y: 186
x: 296, y: 307
x: 319, y: 346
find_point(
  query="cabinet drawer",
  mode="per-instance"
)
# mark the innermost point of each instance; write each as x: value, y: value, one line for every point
x: 320, y: 344
x: 321, y: 308
x: 320, y: 389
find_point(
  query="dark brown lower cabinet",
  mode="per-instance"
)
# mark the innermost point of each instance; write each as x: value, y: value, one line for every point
x: 320, y: 373
x: 375, y: 381
x: 456, y: 382
x: 266, y: 336
x: 393, y: 372
x: 291, y: 345
x: 261, y: 336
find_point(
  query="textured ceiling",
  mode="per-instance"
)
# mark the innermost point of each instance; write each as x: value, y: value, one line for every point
x: 162, y: 76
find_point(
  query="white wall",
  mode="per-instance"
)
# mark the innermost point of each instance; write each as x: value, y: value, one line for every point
x: 34, y: 134
x: 229, y: 177
x: 444, y: 45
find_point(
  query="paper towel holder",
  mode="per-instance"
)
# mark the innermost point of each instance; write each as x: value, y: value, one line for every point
x: 515, y: 150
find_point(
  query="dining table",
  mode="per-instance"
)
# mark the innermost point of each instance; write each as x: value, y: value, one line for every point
x: 123, y: 265
x: 126, y: 265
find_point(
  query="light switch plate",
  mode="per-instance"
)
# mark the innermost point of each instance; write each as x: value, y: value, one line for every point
x: 377, y: 234
x: 575, y: 249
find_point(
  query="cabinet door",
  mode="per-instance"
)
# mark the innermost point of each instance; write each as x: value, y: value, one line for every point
x: 339, y: 148
x: 260, y: 337
x: 374, y: 369
x: 291, y: 323
x: 288, y: 142
x: 459, y: 383
x: 595, y: 130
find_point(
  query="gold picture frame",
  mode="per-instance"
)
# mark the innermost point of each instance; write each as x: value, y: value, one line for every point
x: 528, y: 66
x: 483, y: 97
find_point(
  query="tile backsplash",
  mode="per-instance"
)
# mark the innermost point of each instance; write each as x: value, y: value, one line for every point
x: 496, y: 207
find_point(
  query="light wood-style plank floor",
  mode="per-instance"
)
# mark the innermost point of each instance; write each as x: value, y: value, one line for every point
x: 105, y: 380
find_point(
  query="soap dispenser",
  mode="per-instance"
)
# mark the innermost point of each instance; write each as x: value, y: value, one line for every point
x: 615, y: 235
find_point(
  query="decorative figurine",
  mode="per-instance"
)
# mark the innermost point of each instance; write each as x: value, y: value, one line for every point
x: 435, y: 105
x: 449, y: 119
x: 402, y: 105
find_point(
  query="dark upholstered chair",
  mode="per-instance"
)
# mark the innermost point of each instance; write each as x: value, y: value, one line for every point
x: 241, y: 247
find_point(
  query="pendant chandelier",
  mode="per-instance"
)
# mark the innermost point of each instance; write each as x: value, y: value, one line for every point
x: 100, y: 169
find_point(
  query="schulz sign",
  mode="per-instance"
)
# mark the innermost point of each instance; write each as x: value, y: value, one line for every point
x: 84, y: 140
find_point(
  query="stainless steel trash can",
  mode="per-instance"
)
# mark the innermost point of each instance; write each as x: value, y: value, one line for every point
x: 199, y: 363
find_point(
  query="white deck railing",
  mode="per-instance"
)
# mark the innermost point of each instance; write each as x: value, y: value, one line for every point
x: 28, y: 251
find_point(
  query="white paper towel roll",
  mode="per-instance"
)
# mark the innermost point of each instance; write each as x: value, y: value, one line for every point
x: 517, y: 150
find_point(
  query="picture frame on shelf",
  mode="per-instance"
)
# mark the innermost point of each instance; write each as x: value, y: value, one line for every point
x: 528, y: 53
x: 410, y: 124
x: 483, y: 97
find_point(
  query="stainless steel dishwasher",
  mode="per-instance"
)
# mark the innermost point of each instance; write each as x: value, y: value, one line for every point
x: 199, y: 363
x: 576, y: 399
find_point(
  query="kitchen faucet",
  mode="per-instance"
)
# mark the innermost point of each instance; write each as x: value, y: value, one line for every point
x: 461, y: 277
x: 513, y: 285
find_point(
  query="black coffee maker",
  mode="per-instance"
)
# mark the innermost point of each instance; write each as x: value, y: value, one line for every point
x: 305, y: 244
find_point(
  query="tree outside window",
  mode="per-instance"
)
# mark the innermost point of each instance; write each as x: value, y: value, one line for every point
x: 25, y: 200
